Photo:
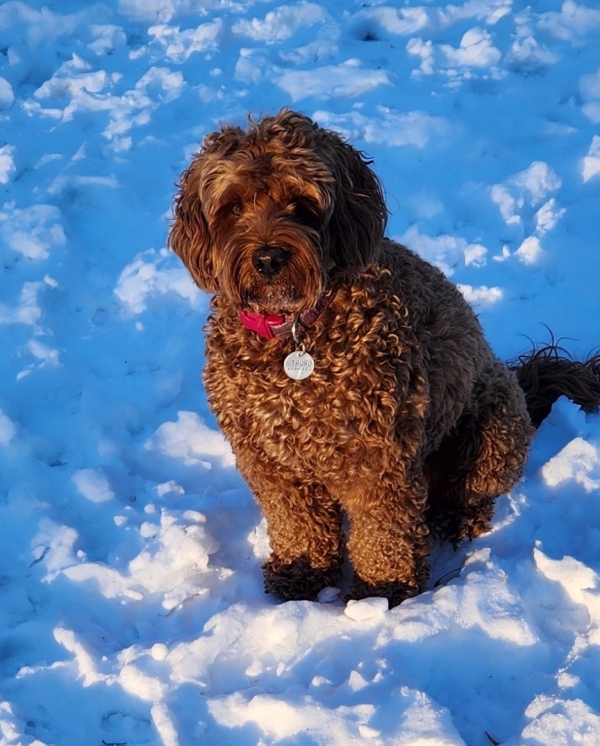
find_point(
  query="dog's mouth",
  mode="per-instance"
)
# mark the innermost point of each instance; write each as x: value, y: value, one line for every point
x: 275, y: 299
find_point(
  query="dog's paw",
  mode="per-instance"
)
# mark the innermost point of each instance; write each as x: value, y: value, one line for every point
x: 297, y: 580
x: 395, y: 592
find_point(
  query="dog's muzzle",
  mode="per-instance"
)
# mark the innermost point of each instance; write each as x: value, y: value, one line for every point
x: 269, y: 260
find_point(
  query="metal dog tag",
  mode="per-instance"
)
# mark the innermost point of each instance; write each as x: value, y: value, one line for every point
x: 298, y: 365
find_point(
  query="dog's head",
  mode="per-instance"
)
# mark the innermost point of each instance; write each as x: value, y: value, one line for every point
x: 274, y: 215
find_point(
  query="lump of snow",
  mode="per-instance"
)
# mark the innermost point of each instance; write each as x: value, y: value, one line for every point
x: 7, y: 429
x: 32, y: 231
x: 93, y: 484
x: 575, y: 577
x: 560, y: 723
x: 191, y: 440
x: 280, y: 24
x: 547, y: 217
x: 7, y: 95
x: 475, y: 50
x: 367, y: 609
x: 591, y: 162
x: 178, y: 45
x: 578, y: 460
x: 444, y: 251
x: 148, y: 10
x: 530, y: 186
x: 7, y: 163
x: 394, y: 129
x: 141, y: 280
x: 346, y: 80
x: 539, y: 180
x: 28, y: 311
x: 572, y: 22
x: 376, y: 23
x: 530, y: 250
x: 481, y: 295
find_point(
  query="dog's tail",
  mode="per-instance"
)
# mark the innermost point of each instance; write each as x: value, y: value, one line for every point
x: 549, y: 372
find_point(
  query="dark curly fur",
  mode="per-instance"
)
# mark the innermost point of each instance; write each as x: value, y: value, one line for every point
x: 409, y: 425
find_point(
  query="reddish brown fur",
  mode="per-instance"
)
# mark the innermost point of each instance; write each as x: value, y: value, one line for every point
x: 409, y: 425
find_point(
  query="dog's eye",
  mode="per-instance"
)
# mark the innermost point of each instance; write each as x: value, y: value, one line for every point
x: 305, y: 212
x: 235, y: 207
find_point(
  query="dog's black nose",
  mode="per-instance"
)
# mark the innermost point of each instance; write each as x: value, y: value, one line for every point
x: 269, y: 260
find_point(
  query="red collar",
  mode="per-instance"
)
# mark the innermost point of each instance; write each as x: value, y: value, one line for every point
x: 270, y: 326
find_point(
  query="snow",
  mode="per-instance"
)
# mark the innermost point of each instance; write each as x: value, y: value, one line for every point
x: 131, y: 601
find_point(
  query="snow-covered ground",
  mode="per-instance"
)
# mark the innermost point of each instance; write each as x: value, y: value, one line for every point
x: 131, y: 602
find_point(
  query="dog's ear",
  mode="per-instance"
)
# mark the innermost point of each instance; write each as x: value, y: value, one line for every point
x: 189, y: 236
x: 359, y: 216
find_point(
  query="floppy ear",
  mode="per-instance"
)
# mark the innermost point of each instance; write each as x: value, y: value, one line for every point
x: 359, y: 216
x: 190, y: 236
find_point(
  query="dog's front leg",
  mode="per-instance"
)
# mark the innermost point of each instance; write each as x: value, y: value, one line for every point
x: 305, y: 531
x: 389, y: 539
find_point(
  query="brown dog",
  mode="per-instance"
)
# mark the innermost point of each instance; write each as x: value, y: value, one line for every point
x: 349, y: 375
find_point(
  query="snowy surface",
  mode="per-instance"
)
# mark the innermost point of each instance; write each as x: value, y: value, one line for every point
x: 131, y: 602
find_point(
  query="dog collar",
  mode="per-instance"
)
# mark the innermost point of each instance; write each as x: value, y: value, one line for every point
x: 271, y: 326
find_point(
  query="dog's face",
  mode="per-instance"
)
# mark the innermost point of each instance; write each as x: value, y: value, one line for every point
x: 272, y: 216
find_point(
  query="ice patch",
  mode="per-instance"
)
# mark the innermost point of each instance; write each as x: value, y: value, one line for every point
x: 347, y: 80
x: 192, y: 441
x: 591, y: 162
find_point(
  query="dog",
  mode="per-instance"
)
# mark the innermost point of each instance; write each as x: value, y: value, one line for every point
x: 365, y: 409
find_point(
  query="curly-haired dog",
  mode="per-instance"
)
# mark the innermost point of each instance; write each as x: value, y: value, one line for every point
x: 406, y: 422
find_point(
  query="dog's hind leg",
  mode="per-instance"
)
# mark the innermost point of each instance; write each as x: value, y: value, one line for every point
x: 482, y: 458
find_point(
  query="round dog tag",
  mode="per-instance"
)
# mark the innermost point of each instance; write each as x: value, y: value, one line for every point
x: 298, y: 365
